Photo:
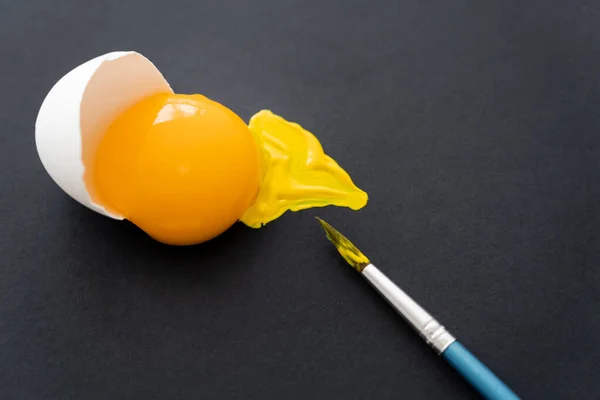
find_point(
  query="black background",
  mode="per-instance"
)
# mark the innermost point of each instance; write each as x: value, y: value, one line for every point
x: 473, y: 125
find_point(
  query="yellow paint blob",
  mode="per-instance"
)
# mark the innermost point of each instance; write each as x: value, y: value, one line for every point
x: 184, y: 168
x: 297, y: 174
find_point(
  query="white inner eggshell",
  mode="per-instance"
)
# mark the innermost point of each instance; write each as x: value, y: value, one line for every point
x: 79, y: 109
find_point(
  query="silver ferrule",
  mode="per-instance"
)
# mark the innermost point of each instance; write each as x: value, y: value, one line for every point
x: 428, y: 327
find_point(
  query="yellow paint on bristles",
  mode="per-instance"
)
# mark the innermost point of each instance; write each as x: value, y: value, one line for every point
x: 348, y: 251
x: 296, y: 173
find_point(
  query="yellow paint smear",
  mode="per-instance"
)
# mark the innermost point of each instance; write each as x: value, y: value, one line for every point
x: 297, y: 174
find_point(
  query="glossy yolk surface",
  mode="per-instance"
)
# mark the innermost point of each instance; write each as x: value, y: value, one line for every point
x: 181, y: 167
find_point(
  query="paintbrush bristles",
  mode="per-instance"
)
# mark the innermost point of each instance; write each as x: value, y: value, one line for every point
x: 351, y: 254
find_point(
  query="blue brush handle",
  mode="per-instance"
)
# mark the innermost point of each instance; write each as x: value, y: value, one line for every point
x: 477, y: 374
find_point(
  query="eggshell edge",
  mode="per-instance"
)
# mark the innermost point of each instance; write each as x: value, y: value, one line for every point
x: 58, y: 127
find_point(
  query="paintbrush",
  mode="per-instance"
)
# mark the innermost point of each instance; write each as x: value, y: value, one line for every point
x: 463, y: 361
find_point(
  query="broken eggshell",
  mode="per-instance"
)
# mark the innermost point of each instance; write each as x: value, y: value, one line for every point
x: 79, y: 109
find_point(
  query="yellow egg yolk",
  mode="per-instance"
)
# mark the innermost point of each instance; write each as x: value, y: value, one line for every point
x: 183, y: 168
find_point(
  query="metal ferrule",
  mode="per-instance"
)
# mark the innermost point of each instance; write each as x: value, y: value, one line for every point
x: 428, y: 327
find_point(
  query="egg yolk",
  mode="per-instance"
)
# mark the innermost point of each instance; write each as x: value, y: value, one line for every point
x: 183, y: 168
